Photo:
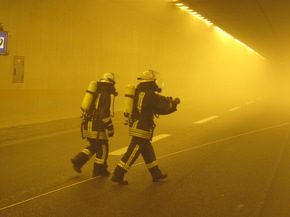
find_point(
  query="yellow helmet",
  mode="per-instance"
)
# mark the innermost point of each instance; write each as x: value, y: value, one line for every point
x: 149, y: 75
x: 108, y: 78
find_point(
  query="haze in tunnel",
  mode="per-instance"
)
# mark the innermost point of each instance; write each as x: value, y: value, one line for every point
x: 64, y: 45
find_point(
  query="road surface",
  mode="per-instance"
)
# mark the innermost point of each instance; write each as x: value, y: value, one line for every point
x: 222, y: 160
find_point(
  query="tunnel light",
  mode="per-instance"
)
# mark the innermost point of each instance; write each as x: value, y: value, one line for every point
x: 250, y: 49
x: 209, y: 23
x: 223, y: 32
x: 239, y: 42
x: 199, y: 16
x: 179, y: 4
x: 184, y: 7
x: 192, y: 12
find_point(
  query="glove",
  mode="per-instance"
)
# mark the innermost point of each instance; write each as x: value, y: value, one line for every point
x: 111, y: 130
x: 176, y: 101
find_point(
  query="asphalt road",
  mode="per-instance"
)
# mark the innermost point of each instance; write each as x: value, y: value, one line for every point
x: 223, y: 160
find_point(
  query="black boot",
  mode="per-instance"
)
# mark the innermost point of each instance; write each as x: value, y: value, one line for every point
x: 157, y: 174
x: 118, y: 176
x: 119, y: 180
x: 105, y: 172
x: 159, y: 177
x: 100, y: 170
x: 78, y: 161
x: 76, y: 167
x: 97, y: 169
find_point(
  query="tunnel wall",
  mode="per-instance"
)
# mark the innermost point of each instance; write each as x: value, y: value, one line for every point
x: 66, y: 44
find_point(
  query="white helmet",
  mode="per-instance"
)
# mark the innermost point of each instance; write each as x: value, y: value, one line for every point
x: 149, y: 75
x: 108, y: 78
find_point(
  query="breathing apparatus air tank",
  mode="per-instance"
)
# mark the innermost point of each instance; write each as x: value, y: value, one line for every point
x: 129, y: 101
x: 89, y: 96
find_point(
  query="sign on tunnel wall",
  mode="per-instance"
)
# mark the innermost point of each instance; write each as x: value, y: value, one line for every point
x: 3, y: 42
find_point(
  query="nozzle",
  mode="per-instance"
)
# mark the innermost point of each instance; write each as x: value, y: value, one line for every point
x: 176, y: 101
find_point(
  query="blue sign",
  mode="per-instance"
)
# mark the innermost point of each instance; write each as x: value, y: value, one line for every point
x: 3, y: 42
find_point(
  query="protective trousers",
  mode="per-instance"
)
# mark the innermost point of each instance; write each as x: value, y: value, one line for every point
x: 137, y: 146
x: 98, y: 147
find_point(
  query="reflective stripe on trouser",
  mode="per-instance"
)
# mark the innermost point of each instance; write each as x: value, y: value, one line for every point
x: 100, y: 161
x: 81, y: 158
x: 101, y: 156
x: 129, y: 158
x: 152, y: 164
x: 87, y: 152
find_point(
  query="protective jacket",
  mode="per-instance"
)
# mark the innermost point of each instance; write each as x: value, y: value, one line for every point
x: 99, y: 118
x: 147, y: 104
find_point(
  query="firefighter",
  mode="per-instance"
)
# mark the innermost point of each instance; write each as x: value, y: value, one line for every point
x: 147, y: 104
x: 97, y: 125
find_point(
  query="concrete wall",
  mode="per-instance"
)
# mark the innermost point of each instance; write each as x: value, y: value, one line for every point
x: 67, y: 43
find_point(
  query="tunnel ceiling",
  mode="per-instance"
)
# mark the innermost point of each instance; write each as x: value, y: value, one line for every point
x: 263, y: 25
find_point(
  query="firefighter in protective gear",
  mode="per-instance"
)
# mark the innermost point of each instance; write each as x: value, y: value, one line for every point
x: 97, y: 126
x: 148, y: 103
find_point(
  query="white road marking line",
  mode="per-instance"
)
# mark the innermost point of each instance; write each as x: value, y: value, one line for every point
x: 47, y: 193
x: 234, y: 109
x: 250, y: 102
x: 123, y: 150
x: 159, y: 137
x: 206, y: 119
